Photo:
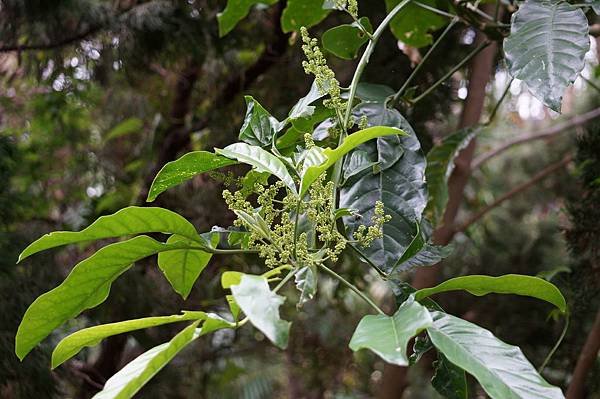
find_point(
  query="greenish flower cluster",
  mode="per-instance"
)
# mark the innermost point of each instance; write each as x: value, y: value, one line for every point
x: 316, y: 65
x: 351, y: 6
x: 366, y: 235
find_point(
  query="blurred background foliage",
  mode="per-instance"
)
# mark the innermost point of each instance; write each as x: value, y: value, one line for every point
x: 96, y: 95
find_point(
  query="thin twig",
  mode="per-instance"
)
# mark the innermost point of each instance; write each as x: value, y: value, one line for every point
x: 499, y: 103
x: 517, y: 190
x: 542, y: 134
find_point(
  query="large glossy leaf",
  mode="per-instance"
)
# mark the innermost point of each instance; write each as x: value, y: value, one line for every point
x: 185, y: 168
x: 440, y: 164
x: 85, y: 287
x: 74, y: 343
x: 351, y: 142
x: 259, y: 126
x: 261, y: 305
x: 399, y: 184
x: 388, y: 336
x: 299, y: 13
x: 345, y: 40
x: 595, y: 4
x: 260, y: 159
x: 235, y: 11
x: 303, y: 108
x: 413, y: 24
x: 546, y: 47
x: 131, y: 378
x: 501, y: 369
x: 183, y: 266
x: 516, y: 284
x: 128, y: 221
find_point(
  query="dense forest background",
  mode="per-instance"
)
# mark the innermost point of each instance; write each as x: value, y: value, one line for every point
x: 96, y: 96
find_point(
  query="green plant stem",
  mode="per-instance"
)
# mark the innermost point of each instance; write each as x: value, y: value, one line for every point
x: 497, y: 106
x: 435, y: 10
x: 399, y: 93
x: 286, y: 279
x: 353, y: 288
x: 556, y: 346
x: 219, y: 251
x: 452, y: 71
x: 373, y: 265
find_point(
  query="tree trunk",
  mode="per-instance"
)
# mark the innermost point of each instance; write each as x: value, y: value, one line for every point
x: 586, y: 360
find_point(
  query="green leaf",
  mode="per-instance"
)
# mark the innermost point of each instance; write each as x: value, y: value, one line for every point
x: 128, y: 221
x: 344, y: 41
x: 352, y: 141
x: 299, y: 13
x: 448, y: 380
x: 92, y: 336
x: 260, y: 159
x: 301, y: 126
x: 546, y: 47
x: 508, y: 284
x: 259, y: 126
x: 373, y: 93
x: 399, y: 184
x: 440, y: 164
x: 303, y: 108
x: 261, y: 305
x: 235, y: 11
x: 182, y: 267
x: 85, y: 287
x: 230, y: 278
x: 357, y: 162
x: 501, y: 369
x: 128, y: 126
x: 185, y: 168
x: 131, y: 378
x: 413, y: 24
x: 306, y: 282
x: 387, y: 336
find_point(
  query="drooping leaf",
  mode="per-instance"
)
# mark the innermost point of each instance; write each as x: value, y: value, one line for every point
x: 345, y: 40
x: 261, y: 305
x: 235, y: 11
x: 546, y: 47
x: 260, y: 159
x: 501, y: 369
x: 185, y: 168
x: 413, y: 24
x: 440, y: 164
x: 259, y: 126
x: 303, y: 108
x: 182, y: 267
x: 515, y: 284
x: 131, y: 378
x: 85, y: 287
x: 400, y: 185
x: 127, y: 221
x: 306, y: 282
x: 387, y: 336
x: 449, y: 380
x: 352, y: 141
x: 299, y: 13
x: 88, y: 337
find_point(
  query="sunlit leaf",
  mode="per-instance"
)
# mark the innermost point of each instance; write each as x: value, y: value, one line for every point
x: 413, y: 24
x: 128, y: 221
x: 501, y: 369
x: 185, y: 168
x: 92, y: 336
x: 352, y: 141
x: 183, y: 266
x: 85, y: 287
x: 546, y: 47
x: 388, y: 336
x: 515, y: 284
x: 260, y: 159
x: 261, y: 305
x: 306, y: 282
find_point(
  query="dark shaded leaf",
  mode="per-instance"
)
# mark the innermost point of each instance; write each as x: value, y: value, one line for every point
x: 345, y: 40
